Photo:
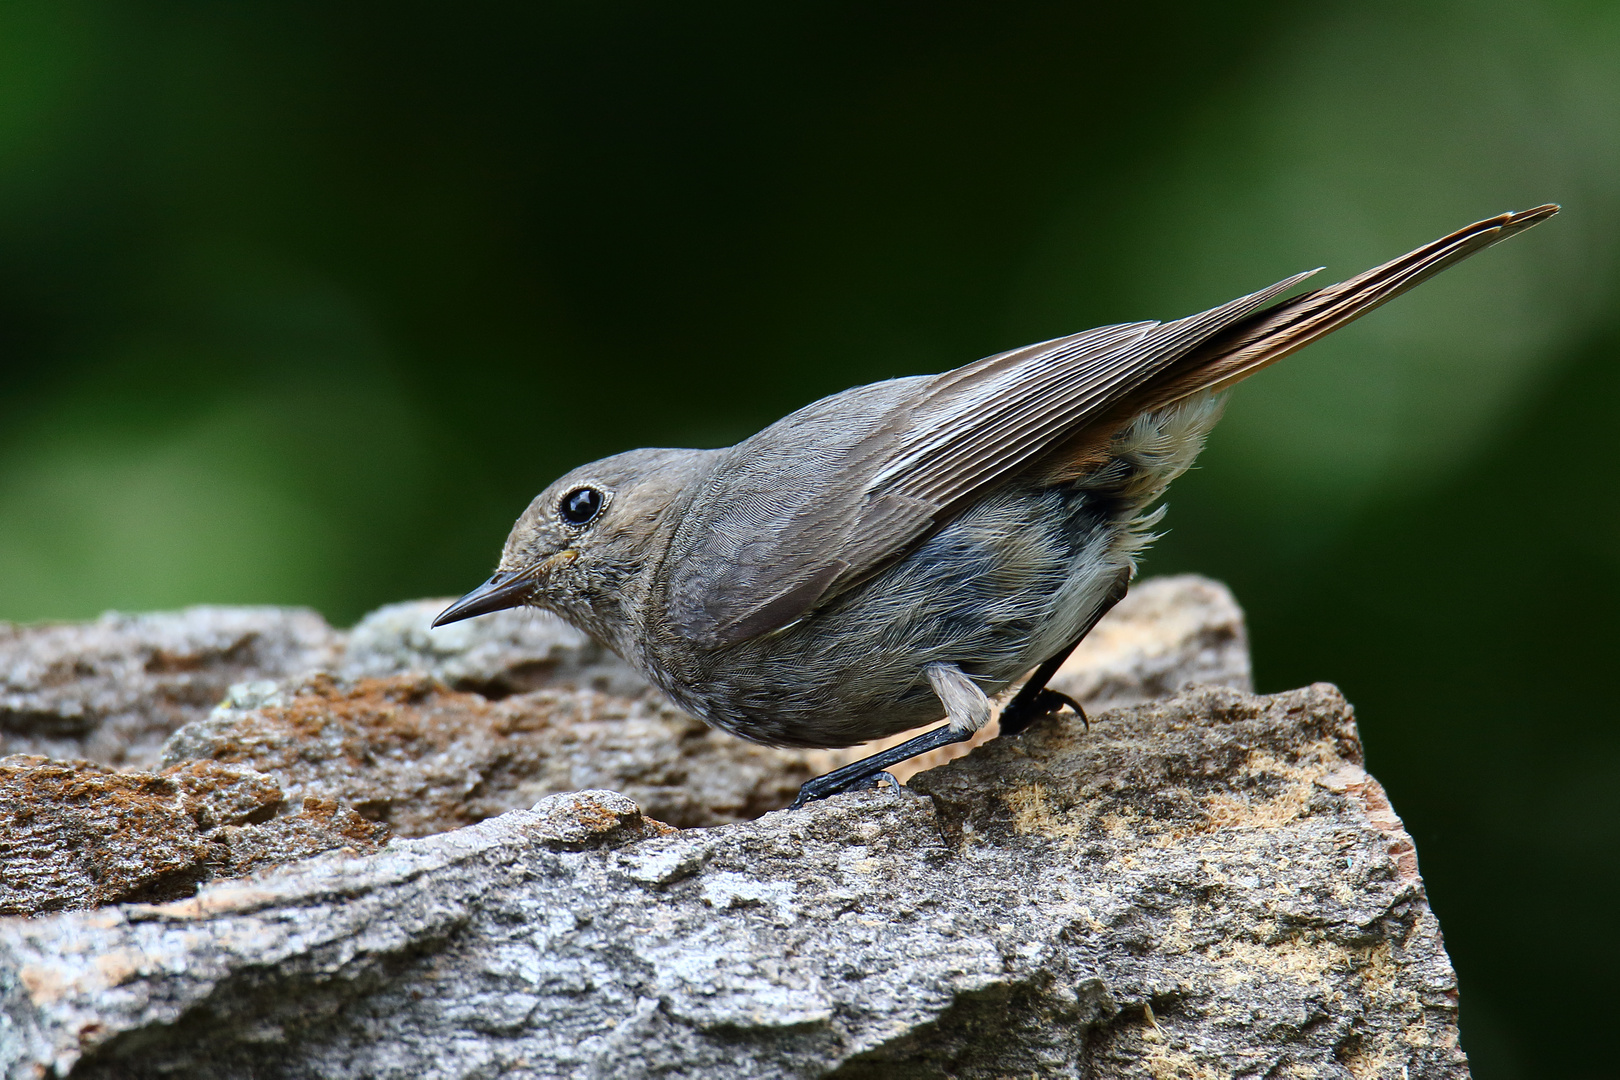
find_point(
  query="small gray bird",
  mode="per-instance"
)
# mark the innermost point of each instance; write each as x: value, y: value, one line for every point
x: 907, y: 550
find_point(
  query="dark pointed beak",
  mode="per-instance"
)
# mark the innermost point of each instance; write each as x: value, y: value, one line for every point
x: 507, y: 589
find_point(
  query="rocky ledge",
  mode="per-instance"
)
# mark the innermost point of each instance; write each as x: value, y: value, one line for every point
x: 1205, y: 884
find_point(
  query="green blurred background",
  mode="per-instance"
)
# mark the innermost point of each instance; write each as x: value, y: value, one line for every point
x: 301, y: 302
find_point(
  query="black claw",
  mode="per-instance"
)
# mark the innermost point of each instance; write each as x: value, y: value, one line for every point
x: 1018, y: 716
x: 823, y: 787
x: 818, y: 789
x: 815, y: 789
x: 1056, y: 700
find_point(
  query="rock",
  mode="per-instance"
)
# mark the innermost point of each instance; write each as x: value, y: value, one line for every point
x: 78, y: 835
x: 317, y: 825
x: 496, y: 655
x: 290, y: 767
x: 74, y: 834
x: 421, y: 758
x: 112, y: 690
x: 1205, y: 886
x: 581, y: 820
x: 216, y: 794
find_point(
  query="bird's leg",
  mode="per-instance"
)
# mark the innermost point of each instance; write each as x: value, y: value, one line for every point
x: 858, y: 774
x: 1034, y: 700
x: 965, y: 704
x: 969, y: 710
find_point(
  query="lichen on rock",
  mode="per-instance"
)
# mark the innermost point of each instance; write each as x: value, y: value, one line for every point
x: 74, y: 834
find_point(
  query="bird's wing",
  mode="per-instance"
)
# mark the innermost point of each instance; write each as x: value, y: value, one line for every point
x: 815, y: 502
x: 795, y: 514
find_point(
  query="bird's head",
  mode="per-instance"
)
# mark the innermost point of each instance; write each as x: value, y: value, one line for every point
x: 584, y: 546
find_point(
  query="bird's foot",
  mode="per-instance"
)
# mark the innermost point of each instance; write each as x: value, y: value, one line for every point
x: 831, y: 784
x: 862, y: 774
x: 1018, y: 716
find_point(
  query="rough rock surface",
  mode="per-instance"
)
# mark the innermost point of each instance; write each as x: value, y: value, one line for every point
x: 305, y: 755
x: 1209, y: 886
x: 408, y: 752
x: 112, y: 690
x: 74, y: 834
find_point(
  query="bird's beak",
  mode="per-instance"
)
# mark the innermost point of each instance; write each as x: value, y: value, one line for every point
x: 507, y: 589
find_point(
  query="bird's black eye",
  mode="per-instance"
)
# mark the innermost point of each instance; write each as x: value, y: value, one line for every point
x: 580, y: 506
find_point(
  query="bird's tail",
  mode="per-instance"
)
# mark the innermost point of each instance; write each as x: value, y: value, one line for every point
x: 1271, y: 334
